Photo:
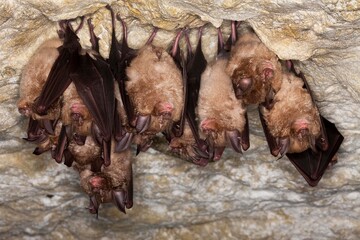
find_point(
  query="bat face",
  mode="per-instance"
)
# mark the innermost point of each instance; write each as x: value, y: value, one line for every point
x: 253, y: 69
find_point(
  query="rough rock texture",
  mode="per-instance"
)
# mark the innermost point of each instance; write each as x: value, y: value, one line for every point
x: 251, y: 196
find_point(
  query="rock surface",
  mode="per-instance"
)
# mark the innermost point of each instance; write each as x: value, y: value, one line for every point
x: 249, y: 196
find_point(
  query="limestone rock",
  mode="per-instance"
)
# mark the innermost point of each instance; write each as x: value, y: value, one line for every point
x: 249, y: 196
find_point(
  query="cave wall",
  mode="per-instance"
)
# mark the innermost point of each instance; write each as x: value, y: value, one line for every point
x: 243, y: 196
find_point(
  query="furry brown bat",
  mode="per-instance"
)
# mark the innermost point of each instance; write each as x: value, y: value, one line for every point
x: 35, y: 75
x: 293, y: 119
x: 32, y: 80
x: 120, y: 57
x: 162, y: 98
x: 309, y: 140
x: 187, y: 141
x: 254, y: 70
x: 223, y: 121
x: 110, y: 184
x: 93, y: 80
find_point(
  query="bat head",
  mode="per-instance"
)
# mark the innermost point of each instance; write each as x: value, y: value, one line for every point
x: 301, y: 137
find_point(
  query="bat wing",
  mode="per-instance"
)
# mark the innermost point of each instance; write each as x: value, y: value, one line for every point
x: 177, y: 129
x: 312, y: 165
x: 196, y: 65
x: 94, y: 83
x: 58, y: 79
x: 270, y: 139
x: 120, y: 57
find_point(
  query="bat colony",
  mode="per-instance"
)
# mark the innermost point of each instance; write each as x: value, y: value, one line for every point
x: 87, y: 110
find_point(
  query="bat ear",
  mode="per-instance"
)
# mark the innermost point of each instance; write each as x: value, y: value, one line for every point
x: 268, y: 73
x: 267, y: 70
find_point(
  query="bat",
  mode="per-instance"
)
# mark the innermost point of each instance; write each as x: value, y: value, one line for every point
x: 120, y: 57
x: 160, y: 103
x: 189, y: 144
x: 253, y: 69
x: 94, y: 83
x: 110, y: 184
x: 33, y: 78
x: 35, y: 74
x: 294, y: 126
x: 223, y: 122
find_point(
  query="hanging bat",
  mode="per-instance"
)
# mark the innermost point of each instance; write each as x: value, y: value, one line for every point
x: 254, y: 70
x: 223, y: 122
x: 120, y: 57
x: 34, y: 76
x: 189, y: 144
x: 160, y: 104
x: 111, y: 184
x: 93, y: 80
x: 294, y: 126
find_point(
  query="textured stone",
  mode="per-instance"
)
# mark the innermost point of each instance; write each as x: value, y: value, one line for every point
x: 249, y: 196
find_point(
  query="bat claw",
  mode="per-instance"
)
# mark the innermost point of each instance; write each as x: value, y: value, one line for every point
x: 119, y: 198
x: 142, y: 123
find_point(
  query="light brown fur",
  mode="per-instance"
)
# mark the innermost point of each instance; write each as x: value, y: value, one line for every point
x: 154, y: 79
x: 293, y: 103
x: 35, y: 73
x: 117, y: 176
x: 249, y: 57
x: 218, y: 104
x: 71, y: 99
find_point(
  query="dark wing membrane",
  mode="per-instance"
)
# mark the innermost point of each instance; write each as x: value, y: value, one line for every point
x: 94, y: 83
x: 271, y: 140
x: 56, y: 83
x: 312, y: 165
x: 120, y: 57
x: 195, y: 67
x: 58, y: 79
